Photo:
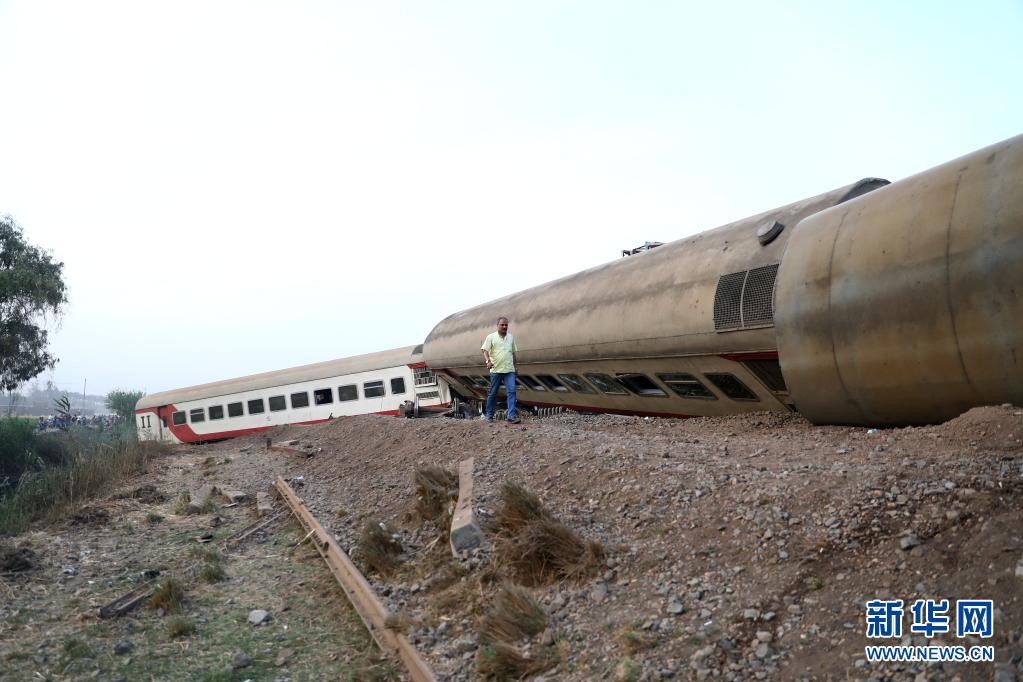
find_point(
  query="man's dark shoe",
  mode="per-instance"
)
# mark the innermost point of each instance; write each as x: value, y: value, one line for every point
x: 516, y: 420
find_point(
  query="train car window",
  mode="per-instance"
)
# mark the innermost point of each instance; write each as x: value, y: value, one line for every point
x: 520, y: 384
x: 606, y: 384
x: 483, y: 381
x: 300, y: 399
x: 468, y: 381
x: 768, y: 371
x: 373, y: 389
x: 216, y: 412
x: 532, y: 383
x: 178, y: 418
x: 422, y: 376
x: 686, y: 386
x: 256, y: 406
x: 197, y: 415
x: 397, y: 385
x: 552, y: 383
x: 277, y: 403
x: 576, y: 383
x: 641, y: 384
x: 732, y: 387
x: 346, y: 393
x: 234, y: 410
x: 323, y: 396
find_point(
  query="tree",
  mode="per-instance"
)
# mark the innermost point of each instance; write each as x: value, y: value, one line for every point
x: 123, y: 402
x: 31, y: 287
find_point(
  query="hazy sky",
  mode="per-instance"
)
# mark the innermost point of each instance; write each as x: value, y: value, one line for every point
x: 236, y: 187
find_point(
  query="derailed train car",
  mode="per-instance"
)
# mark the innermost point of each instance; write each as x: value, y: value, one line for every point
x: 874, y: 304
x: 376, y: 383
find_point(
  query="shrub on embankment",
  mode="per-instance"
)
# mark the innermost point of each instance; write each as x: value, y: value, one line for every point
x: 22, y: 449
x: 45, y: 475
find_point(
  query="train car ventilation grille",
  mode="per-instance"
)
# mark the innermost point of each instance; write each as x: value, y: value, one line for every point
x: 745, y: 299
x: 727, y: 301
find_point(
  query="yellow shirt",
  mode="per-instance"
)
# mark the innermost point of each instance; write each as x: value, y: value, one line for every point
x: 500, y: 350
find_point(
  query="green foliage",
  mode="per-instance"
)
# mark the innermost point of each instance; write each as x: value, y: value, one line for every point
x: 31, y: 286
x: 180, y: 627
x: 122, y: 403
x: 76, y: 648
x: 63, y: 470
x: 212, y: 573
x: 23, y: 450
x: 62, y: 409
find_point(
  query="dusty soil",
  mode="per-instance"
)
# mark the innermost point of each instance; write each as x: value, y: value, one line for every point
x: 738, y: 548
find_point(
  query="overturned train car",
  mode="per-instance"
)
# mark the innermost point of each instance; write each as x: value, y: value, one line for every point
x: 874, y: 304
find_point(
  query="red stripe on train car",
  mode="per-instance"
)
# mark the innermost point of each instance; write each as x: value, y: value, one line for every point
x: 608, y: 410
x: 185, y: 434
x: 743, y: 357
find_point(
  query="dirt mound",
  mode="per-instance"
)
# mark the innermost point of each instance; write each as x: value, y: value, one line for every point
x: 987, y: 427
x: 735, y: 548
x: 89, y: 516
x: 147, y: 494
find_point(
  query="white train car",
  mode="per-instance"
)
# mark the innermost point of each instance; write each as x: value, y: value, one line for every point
x: 376, y: 383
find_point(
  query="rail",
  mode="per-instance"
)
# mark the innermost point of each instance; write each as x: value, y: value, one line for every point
x: 358, y: 589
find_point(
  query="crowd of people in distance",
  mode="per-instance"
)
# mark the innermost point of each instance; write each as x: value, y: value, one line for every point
x: 94, y: 421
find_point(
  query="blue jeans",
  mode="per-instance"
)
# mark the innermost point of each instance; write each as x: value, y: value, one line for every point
x: 496, y: 379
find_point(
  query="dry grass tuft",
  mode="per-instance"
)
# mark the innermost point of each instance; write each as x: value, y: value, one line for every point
x: 181, y: 504
x: 519, y: 508
x: 633, y: 642
x: 380, y: 550
x: 435, y: 488
x: 206, y: 553
x: 501, y: 661
x: 168, y: 596
x: 514, y: 614
x: 536, y: 547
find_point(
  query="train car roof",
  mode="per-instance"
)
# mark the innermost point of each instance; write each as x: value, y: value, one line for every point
x: 282, y: 377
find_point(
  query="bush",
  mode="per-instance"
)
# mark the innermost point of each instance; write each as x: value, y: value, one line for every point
x: 22, y: 450
x: 67, y: 469
x: 168, y: 596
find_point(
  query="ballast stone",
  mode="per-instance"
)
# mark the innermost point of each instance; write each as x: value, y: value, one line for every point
x: 259, y: 616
